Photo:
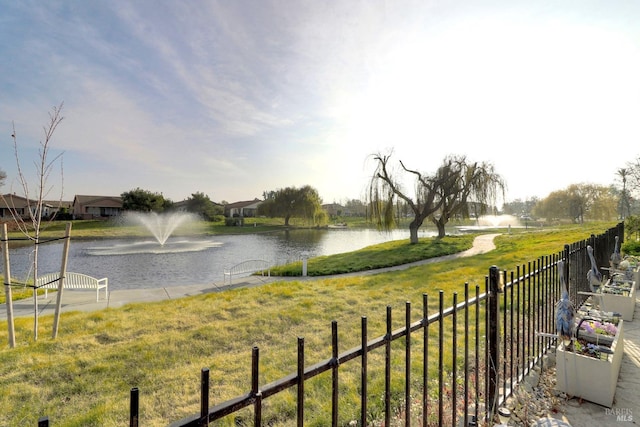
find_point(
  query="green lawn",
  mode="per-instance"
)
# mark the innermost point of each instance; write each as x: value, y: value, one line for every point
x: 83, y: 378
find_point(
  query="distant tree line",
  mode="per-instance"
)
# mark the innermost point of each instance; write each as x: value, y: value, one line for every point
x: 458, y: 189
x: 147, y: 201
x: 140, y: 200
x: 577, y: 203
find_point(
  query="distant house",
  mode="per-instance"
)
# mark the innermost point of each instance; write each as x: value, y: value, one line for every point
x: 245, y: 209
x: 182, y: 206
x: 58, y: 205
x: 21, y: 206
x: 94, y: 207
x: 334, y: 209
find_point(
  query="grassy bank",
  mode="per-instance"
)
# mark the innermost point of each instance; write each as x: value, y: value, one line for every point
x: 91, y: 229
x: 387, y: 254
x: 83, y: 378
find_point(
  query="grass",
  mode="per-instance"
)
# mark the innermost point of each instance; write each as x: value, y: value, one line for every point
x: 387, y: 254
x: 83, y: 378
x: 90, y: 229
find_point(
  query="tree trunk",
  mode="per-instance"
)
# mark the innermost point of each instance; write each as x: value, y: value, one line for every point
x: 413, y: 232
x: 35, y: 289
x: 441, y: 230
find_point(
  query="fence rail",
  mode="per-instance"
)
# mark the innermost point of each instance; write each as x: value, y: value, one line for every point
x: 505, y: 332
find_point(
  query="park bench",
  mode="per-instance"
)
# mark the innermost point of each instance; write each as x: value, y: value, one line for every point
x: 73, y: 281
x: 247, y: 267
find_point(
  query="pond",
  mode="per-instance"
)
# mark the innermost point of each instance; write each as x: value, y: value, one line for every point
x: 143, y: 263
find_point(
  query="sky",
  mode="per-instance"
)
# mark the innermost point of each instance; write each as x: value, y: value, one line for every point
x: 235, y: 98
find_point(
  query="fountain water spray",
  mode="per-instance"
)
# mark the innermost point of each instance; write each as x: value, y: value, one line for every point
x: 498, y: 221
x: 161, y: 226
x: 492, y: 221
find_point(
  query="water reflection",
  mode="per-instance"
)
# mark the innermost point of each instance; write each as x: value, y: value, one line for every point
x: 132, y: 264
x: 152, y: 247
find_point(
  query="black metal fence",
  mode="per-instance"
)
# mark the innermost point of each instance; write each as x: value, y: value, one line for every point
x: 528, y: 305
x: 470, y: 355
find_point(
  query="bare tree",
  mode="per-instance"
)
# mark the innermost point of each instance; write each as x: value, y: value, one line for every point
x: 624, y: 205
x: 439, y: 196
x: 30, y: 223
x: 467, y: 182
x: 632, y: 172
x: 3, y: 177
x: 384, y: 187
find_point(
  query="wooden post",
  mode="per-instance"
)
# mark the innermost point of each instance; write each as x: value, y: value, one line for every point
x: 63, y: 271
x: 7, y: 286
x: 35, y: 290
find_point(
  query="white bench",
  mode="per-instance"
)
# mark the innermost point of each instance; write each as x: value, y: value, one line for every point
x: 73, y: 281
x: 247, y: 267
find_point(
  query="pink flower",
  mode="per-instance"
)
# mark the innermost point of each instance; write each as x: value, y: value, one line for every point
x: 610, y: 328
x: 587, y: 327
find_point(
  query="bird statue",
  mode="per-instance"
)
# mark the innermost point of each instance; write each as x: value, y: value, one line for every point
x: 594, y: 277
x: 564, y: 309
x: 615, y: 258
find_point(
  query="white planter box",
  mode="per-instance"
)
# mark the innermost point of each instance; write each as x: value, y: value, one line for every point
x: 623, y: 304
x: 591, y: 379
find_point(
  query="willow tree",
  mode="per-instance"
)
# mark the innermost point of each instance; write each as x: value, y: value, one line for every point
x: 438, y: 196
x: 303, y: 202
x: 384, y: 188
x: 469, y: 183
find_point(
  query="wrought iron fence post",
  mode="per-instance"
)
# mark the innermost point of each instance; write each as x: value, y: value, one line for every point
x: 300, y: 395
x: 134, y: 407
x: 493, y: 330
x: 204, y: 397
x: 255, y: 390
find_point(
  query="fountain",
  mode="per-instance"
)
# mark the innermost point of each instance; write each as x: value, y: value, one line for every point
x: 486, y: 222
x: 497, y: 221
x: 161, y: 227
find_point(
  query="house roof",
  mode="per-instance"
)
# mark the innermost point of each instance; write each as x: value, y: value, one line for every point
x: 15, y: 201
x: 242, y: 204
x: 60, y: 203
x: 103, y: 201
x: 332, y: 205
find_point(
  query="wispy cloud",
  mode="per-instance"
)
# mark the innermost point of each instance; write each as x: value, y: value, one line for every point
x: 245, y: 96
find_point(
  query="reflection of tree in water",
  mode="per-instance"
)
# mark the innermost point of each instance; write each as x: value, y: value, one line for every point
x: 293, y: 244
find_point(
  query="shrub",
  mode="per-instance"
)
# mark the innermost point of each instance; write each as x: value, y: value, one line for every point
x: 631, y: 247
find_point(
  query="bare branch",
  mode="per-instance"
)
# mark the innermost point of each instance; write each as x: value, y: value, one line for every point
x: 438, y: 196
x: 44, y: 166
